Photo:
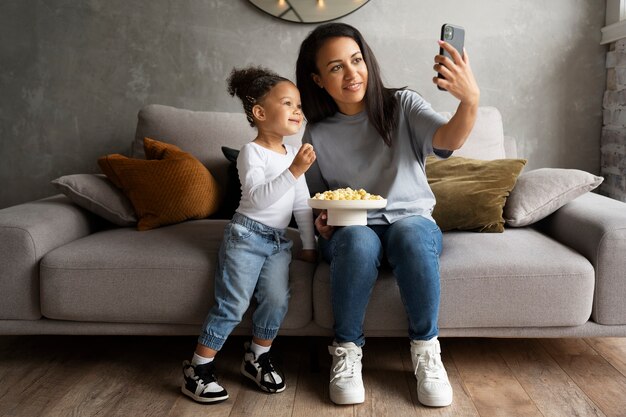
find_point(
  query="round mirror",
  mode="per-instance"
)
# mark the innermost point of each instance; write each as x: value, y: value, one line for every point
x: 308, y: 11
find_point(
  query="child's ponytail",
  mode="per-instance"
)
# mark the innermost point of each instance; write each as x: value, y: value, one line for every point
x: 251, y: 84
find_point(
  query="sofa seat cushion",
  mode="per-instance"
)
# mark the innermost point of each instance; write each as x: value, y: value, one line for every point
x: 162, y: 275
x: 519, y: 278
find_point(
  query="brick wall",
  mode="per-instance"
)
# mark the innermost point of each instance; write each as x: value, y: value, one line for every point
x: 613, y: 141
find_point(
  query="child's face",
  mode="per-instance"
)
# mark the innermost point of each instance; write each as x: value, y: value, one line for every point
x: 282, y: 109
x: 342, y: 73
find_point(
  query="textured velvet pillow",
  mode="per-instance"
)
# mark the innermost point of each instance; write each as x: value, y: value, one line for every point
x: 168, y: 187
x: 543, y: 191
x: 232, y: 194
x: 471, y: 193
x: 94, y: 192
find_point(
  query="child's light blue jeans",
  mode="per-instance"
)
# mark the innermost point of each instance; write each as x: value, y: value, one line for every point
x: 412, y: 247
x: 253, y: 260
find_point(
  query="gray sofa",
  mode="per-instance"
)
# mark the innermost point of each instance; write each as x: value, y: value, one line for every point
x: 64, y: 270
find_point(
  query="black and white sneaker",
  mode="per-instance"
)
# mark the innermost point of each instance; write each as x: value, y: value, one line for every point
x: 200, y: 383
x: 262, y: 371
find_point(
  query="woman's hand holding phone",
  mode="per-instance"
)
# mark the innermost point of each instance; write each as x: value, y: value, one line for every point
x: 455, y: 73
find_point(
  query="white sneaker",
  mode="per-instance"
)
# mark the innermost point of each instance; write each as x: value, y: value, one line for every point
x: 346, y: 382
x: 433, y: 386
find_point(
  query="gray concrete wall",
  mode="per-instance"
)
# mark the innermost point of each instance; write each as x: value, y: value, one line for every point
x: 73, y: 74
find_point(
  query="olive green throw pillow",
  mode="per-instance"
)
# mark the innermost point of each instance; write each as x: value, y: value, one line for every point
x: 471, y: 193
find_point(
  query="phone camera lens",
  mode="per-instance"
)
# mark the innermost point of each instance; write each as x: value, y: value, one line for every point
x: 448, y: 33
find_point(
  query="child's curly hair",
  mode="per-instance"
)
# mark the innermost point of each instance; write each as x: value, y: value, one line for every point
x: 251, y: 84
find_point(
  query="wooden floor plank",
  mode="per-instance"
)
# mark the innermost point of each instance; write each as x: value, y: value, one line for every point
x: 387, y: 392
x: 613, y: 349
x: 98, y: 392
x: 312, y: 399
x: 155, y: 384
x: 492, y: 386
x: 591, y: 372
x: 36, y: 374
x: 551, y: 389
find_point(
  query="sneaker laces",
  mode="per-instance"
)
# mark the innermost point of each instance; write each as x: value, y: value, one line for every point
x: 205, y: 374
x: 267, y: 368
x: 348, y: 359
x: 430, y: 364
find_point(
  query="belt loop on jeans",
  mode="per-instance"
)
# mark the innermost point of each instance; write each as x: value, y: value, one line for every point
x: 277, y: 238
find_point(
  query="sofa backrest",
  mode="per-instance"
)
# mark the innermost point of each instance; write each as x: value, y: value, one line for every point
x: 486, y: 141
x: 204, y: 133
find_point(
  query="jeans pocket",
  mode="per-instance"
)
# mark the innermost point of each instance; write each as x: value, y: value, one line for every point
x: 238, y: 232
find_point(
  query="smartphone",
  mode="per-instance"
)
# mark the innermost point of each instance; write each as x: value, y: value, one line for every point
x: 455, y: 36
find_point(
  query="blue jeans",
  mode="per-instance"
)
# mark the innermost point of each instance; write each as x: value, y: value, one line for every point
x: 253, y: 260
x: 411, y: 246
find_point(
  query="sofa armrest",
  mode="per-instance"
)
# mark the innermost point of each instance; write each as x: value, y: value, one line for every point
x: 595, y: 226
x: 27, y: 232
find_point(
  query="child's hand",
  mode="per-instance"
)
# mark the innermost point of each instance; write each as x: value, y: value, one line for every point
x: 303, y: 160
x: 308, y: 255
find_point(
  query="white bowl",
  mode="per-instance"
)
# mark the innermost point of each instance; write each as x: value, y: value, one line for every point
x: 347, y: 212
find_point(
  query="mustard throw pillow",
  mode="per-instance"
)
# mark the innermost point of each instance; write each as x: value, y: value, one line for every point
x: 168, y: 187
x: 471, y: 193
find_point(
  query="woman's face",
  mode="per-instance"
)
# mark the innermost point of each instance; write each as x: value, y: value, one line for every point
x: 342, y: 73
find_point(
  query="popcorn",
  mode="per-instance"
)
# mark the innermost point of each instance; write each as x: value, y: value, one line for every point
x: 346, y: 194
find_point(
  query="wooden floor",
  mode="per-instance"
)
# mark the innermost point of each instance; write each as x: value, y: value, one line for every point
x: 141, y: 376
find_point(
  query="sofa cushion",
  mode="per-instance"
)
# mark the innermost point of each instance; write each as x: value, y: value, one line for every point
x: 542, y: 283
x: 543, y: 191
x: 486, y: 140
x: 94, y: 192
x: 471, y: 193
x: 163, y: 275
x: 170, y: 187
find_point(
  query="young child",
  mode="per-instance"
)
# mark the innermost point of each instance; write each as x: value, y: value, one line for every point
x: 255, y: 253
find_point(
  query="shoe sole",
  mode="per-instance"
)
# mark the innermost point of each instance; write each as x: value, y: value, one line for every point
x: 258, y: 384
x: 203, y: 400
x: 434, y: 401
x: 348, y: 399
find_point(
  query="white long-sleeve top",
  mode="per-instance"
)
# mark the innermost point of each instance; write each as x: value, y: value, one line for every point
x: 270, y: 192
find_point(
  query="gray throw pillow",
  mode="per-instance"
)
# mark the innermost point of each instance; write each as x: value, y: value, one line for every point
x: 94, y: 192
x: 543, y: 191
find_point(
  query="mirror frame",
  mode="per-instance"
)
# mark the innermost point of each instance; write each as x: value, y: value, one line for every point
x: 292, y: 5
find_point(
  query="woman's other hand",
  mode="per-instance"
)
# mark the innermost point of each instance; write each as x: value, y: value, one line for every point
x: 459, y: 79
x: 325, y: 230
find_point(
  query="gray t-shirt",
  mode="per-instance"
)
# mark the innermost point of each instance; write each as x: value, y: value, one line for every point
x: 351, y: 153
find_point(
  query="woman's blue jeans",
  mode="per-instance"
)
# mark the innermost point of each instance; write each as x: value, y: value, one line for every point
x: 253, y: 261
x: 411, y: 246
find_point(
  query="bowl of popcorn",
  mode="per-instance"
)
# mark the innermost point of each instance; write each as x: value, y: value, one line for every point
x: 345, y: 206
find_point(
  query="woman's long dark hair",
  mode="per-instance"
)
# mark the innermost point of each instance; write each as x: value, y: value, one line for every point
x: 380, y: 102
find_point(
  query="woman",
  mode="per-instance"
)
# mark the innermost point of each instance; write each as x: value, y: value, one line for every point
x: 372, y: 137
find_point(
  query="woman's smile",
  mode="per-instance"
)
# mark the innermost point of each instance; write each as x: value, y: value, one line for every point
x: 353, y: 86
